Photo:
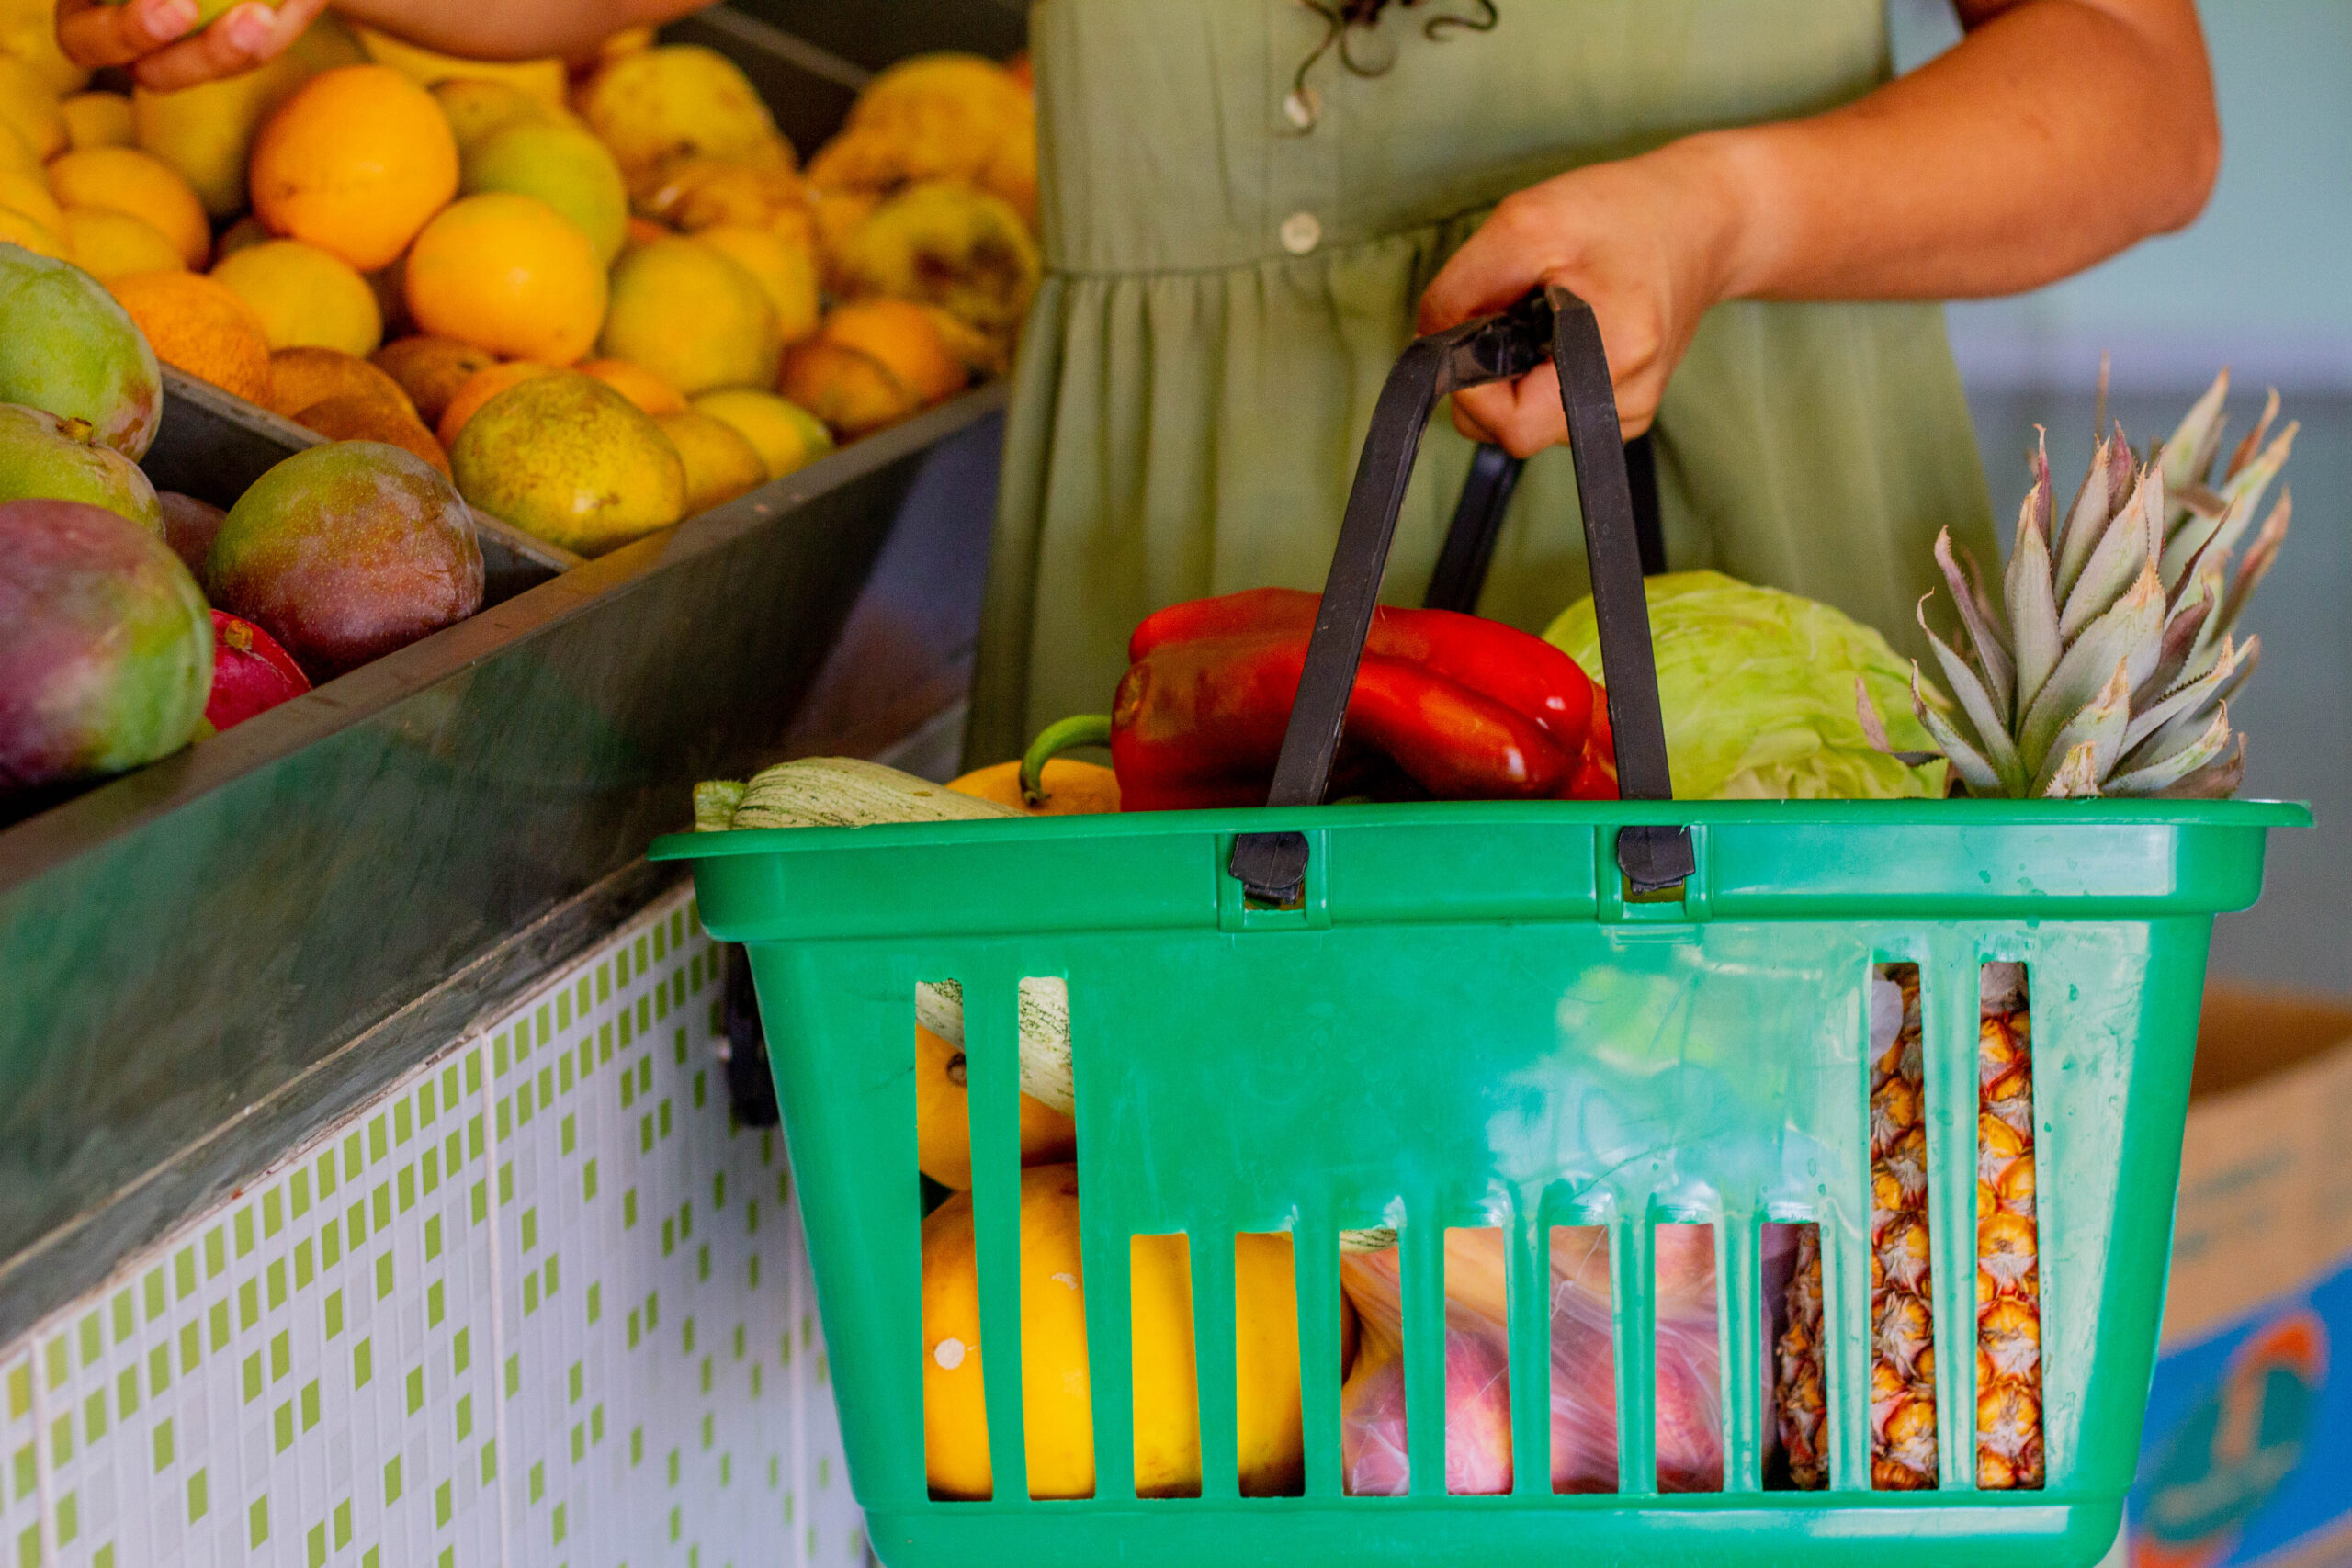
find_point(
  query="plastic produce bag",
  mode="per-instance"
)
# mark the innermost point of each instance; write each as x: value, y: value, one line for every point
x: 1583, y: 1393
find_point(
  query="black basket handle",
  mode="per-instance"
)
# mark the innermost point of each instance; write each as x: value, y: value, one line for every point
x: 1272, y: 867
x: 1461, y: 572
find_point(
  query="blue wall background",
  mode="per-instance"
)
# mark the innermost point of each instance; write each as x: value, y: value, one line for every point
x: 2263, y: 281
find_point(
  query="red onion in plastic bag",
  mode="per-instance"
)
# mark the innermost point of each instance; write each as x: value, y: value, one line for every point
x: 1583, y: 1394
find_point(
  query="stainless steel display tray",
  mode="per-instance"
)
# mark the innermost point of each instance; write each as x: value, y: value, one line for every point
x: 202, y: 960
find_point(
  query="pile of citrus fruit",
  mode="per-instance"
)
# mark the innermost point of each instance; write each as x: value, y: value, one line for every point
x: 600, y: 301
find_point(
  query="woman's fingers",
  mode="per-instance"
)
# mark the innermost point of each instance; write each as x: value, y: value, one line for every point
x: 241, y: 38
x: 153, y: 38
x: 1522, y: 417
x: 95, y: 34
x: 1509, y: 255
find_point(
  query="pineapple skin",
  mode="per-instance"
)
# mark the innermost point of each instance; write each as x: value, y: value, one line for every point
x: 2008, y: 1309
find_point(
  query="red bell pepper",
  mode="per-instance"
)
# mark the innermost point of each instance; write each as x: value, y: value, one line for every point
x: 1445, y: 705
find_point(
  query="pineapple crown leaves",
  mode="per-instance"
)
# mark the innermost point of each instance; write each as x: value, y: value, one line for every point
x: 2112, y: 671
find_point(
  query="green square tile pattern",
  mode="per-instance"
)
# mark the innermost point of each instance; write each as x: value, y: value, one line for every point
x: 325, y: 1369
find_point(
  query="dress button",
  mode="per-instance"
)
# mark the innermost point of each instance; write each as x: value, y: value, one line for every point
x: 1301, y: 232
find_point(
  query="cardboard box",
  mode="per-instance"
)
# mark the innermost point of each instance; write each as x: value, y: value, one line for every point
x: 2247, y: 1453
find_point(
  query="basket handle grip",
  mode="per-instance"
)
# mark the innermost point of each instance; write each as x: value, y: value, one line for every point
x: 1549, y: 323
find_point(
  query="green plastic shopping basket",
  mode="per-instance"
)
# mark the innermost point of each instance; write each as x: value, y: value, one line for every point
x: 1473, y: 1015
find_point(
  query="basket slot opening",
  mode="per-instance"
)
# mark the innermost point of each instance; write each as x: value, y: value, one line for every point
x: 1584, y: 1361
x: 1268, y: 1413
x: 1902, y: 1283
x: 1687, y: 1385
x: 1377, y: 1436
x: 1164, y: 1374
x: 1478, y: 1364
x: 955, y: 1435
x: 2008, y: 1283
x: 1799, y: 1457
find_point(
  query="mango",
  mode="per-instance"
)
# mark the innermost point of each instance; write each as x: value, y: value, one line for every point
x: 71, y: 350
x: 346, y: 552
x: 43, y: 458
x: 567, y: 458
x: 691, y: 316
x: 564, y: 166
x: 189, y: 526
x: 250, y: 672
x: 106, y: 647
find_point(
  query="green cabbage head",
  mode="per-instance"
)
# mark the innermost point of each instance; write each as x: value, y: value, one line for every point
x: 1758, y: 688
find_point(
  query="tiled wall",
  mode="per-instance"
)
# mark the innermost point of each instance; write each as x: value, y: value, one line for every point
x: 541, y: 1304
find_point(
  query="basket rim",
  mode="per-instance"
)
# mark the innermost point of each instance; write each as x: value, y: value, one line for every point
x: 1790, y: 814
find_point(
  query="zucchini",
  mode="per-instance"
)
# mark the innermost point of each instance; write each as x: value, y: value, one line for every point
x: 844, y: 791
x: 1043, y: 1009
x: 715, y: 804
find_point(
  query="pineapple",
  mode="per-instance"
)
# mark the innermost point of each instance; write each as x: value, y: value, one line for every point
x: 1903, y: 1357
x: 2111, y: 674
x: 2009, y: 1281
x: 2008, y: 1305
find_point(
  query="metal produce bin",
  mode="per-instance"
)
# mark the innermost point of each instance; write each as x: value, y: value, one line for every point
x: 207, y: 958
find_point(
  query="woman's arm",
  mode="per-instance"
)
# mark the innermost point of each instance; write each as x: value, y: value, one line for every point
x: 153, y: 37
x: 2055, y: 134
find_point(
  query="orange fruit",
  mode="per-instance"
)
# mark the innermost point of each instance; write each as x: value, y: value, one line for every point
x: 126, y: 180
x: 851, y: 390
x: 303, y: 377
x: 482, y: 386
x: 904, y: 336
x: 509, y: 273
x: 638, y: 383
x: 355, y: 162
x: 370, y: 418
x: 199, y: 324
x: 430, y: 370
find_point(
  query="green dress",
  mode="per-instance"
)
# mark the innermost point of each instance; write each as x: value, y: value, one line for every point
x: 1227, y: 288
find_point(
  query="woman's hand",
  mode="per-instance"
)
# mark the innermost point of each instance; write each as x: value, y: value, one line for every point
x: 157, y: 38
x: 1646, y: 243
x: 2055, y: 134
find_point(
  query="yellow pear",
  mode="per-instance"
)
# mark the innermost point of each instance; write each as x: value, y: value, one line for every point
x: 569, y: 459
x: 720, y: 464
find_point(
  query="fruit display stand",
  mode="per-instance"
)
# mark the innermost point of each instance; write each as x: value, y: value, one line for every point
x: 216, y: 953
